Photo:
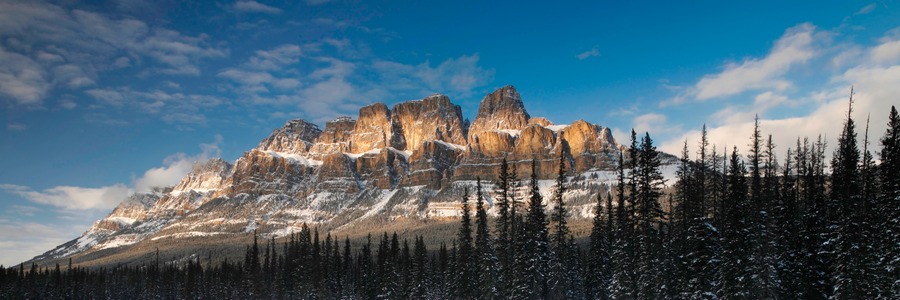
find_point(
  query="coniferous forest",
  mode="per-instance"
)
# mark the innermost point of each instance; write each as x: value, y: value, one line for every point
x: 764, y: 224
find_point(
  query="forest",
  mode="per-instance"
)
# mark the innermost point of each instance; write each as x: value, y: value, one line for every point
x: 732, y: 226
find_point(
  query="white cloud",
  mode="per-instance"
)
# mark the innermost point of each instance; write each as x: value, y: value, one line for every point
x: 325, y: 86
x: 175, y: 167
x: 256, y: 7
x: 594, y: 52
x: 795, y: 47
x: 73, y: 197
x: 267, y: 69
x: 459, y: 75
x: 68, y: 104
x: 865, y: 10
x: 887, y: 52
x: 648, y: 122
x: 317, y: 2
x: 741, y: 113
x: 22, y: 79
x: 49, y: 46
x: 173, y: 108
x: 16, y: 127
x: 21, y: 241
x: 275, y: 59
x: 874, y: 71
x: 72, y: 76
x: 247, y: 77
x: 876, y: 88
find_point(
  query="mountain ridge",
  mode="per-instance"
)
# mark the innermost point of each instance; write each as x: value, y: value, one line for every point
x: 407, y: 163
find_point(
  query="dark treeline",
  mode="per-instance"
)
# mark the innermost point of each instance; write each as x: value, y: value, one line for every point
x: 730, y: 227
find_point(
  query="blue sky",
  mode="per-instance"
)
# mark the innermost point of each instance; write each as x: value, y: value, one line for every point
x: 104, y: 98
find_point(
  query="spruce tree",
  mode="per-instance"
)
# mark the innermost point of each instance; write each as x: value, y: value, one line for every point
x: 702, y: 233
x: 503, y: 241
x: 485, y: 260
x: 598, y: 275
x: 846, y: 228
x: 871, y: 240
x: 420, y: 279
x: 622, y: 266
x: 888, y: 210
x: 648, y: 217
x: 786, y: 219
x: 563, y: 272
x: 537, y: 242
x: 816, y: 276
x: 736, y: 269
x: 463, y: 280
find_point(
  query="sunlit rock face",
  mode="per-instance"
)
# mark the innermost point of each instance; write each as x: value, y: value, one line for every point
x: 373, y: 129
x: 501, y: 110
x: 409, y: 162
x: 295, y: 137
x: 434, y: 118
x: 335, y: 137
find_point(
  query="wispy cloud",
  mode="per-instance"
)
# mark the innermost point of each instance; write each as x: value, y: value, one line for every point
x: 594, y: 52
x: 866, y: 9
x: 455, y: 75
x: 255, y: 7
x: 49, y: 46
x: 16, y: 127
x: 170, y: 107
x: 324, y: 84
x: 73, y: 197
x: 653, y: 123
x: 795, y: 47
x: 275, y: 59
x: 762, y: 103
x: 20, y: 241
x: 22, y: 79
x: 873, y: 76
x: 175, y: 167
x: 317, y: 2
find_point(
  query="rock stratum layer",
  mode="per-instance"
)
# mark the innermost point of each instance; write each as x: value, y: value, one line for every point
x: 408, y: 164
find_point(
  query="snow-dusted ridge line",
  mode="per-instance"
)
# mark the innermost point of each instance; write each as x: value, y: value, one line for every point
x: 295, y: 158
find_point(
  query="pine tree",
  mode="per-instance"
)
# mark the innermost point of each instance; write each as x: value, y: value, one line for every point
x: 484, y: 250
x: 536, y: 242
x: 680, y: 244
x: 648, y: 216
x: 869, y: 216
x: 760, y: 260
x: 703, y: 236
x: 599, y: 267
x: 622, y: 266
x: 888, y: 210
x: 786, y: 220
x: 766, y: 256
x: 563, y: 270
x: 815, y: 279
x: 421, y: 281
x: 463, y: 279
x: 846, y: 229
x: 503, y: 241
x: 736, y: 268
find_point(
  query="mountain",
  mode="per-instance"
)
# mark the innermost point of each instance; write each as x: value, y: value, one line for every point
x: 398, y: 169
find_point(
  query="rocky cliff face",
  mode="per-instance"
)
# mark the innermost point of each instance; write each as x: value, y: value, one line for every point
x: 434, y: 118
x: 501, y: 110
x: 407, y: 163
x: 295, y: 137
x: 373, y: 129
x: 335, y: 138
